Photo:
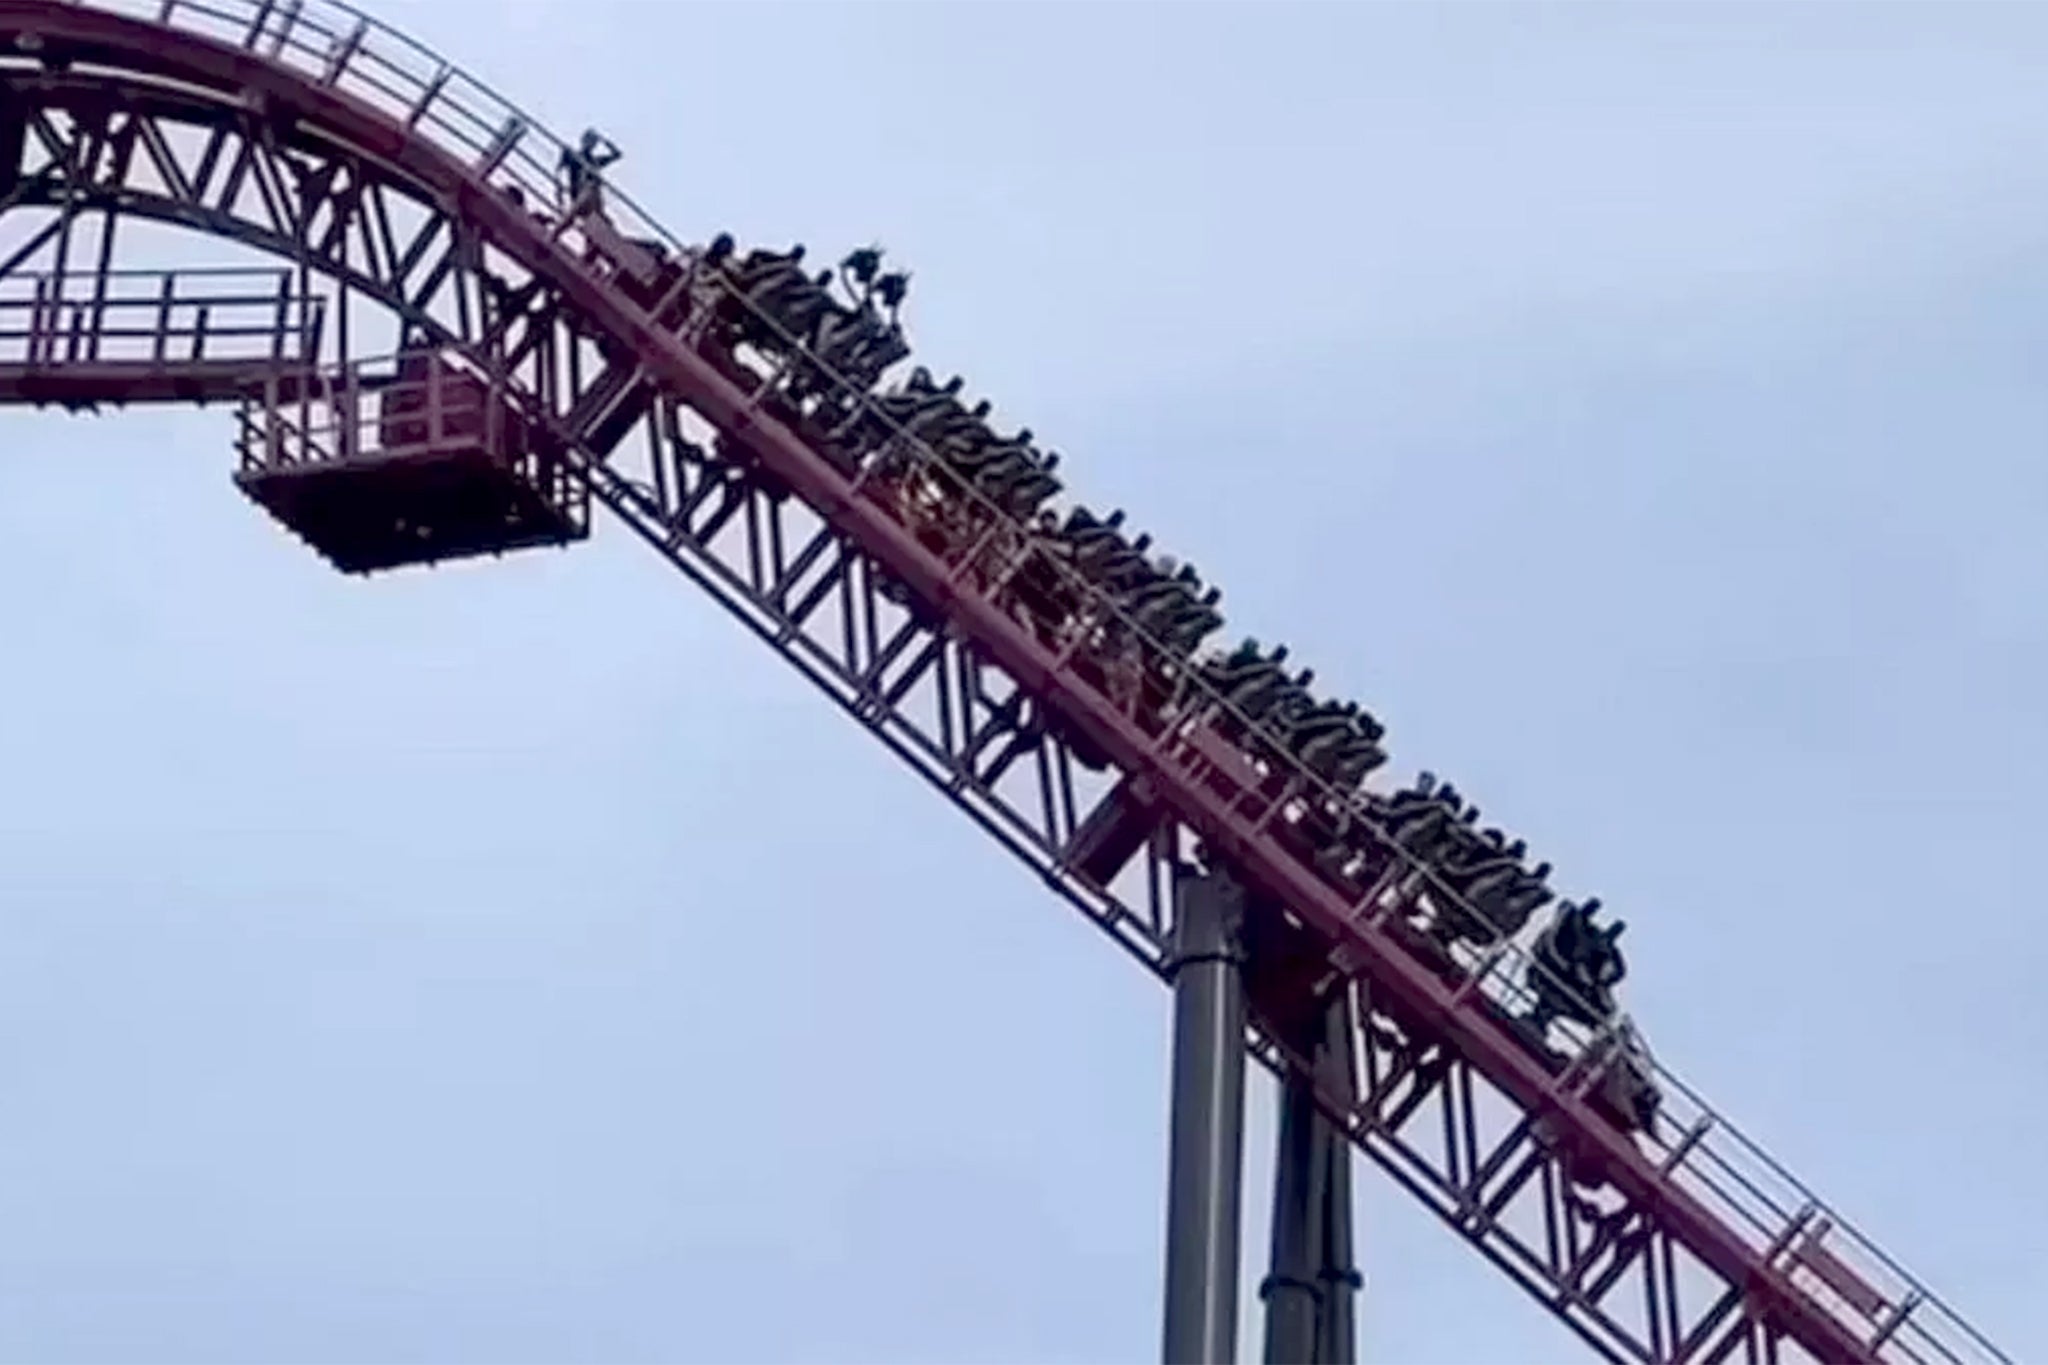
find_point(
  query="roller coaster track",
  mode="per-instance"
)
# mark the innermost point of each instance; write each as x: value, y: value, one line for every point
x: 351, y: 154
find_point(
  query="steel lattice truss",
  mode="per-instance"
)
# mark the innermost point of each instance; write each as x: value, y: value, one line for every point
x: 367, y: 166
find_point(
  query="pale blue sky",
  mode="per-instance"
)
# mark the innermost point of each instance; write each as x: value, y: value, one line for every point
x: 1639, y: 407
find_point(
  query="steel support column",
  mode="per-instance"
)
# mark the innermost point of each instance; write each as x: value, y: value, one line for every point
x: 1292, y: 1290
x: 1338, y: 1334
x: 1206, y: 1157
x: 1308, y: 1291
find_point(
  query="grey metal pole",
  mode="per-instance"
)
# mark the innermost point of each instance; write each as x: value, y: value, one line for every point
x: 1293, y: 1290
x: 1339, y: 1274
x: 1338, y: 1324
x: 1206, y: 1156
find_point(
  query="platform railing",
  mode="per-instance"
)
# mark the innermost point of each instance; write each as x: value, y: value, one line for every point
x: 1843, y: 1271
x: 158, y: 319
x: 377, y: 408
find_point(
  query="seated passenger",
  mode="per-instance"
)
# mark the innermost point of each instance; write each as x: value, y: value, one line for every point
x: 1421, y: 830
x: 861, y: 267
x: 1171, y: 614
x: 798, y: 307
x: 1282, y: 703
x: 1575, y: 967
x: 1421, y: 793
x: 1349, y: 765
x: 1520, y: 901
x: 1628, y: 1088
x: 858, y: 344
x: 762, y: 265
x: 1030, y: 489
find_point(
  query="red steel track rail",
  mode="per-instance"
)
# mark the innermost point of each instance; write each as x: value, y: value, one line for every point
x: 317, y: 71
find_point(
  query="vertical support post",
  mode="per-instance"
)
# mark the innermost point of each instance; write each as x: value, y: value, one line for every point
x: 1308, y: 1292
x: 1206, y: 1156
x: 1292, y: 1289
x: 1338, y: 1334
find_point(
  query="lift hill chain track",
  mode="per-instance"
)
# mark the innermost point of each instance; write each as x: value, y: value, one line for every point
x: 536, y: 324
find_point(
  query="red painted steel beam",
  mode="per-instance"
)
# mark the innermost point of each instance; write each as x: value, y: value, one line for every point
x: 1113, y: 833
x: 280, y: 92
x: 133, y: 381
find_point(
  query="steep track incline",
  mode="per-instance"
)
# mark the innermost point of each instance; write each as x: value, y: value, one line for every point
x: 322, y: 129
